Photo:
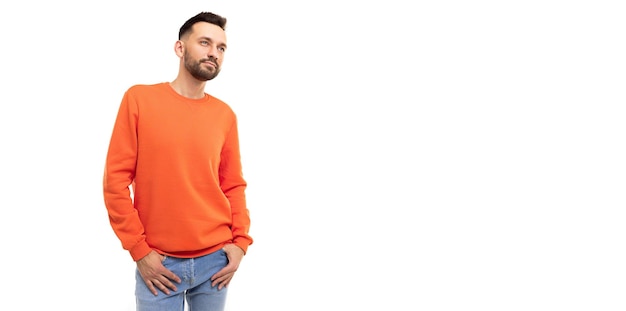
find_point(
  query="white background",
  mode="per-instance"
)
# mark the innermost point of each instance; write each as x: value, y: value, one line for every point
x: 430, y: 155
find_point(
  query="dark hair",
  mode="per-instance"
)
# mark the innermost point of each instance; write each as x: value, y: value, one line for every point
x: 208, y: 17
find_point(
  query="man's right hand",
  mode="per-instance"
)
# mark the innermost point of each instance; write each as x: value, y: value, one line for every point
x: 155, y: 275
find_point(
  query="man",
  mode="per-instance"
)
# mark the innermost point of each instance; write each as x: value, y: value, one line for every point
x: 173, y: 184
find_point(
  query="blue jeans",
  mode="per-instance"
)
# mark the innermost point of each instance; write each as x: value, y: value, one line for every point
x: 195, y: 288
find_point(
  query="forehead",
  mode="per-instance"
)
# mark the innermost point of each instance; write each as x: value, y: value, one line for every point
x: 208, y: 30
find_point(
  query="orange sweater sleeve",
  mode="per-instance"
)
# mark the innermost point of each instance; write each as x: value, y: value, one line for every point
x: 233, y: 186
x: 119, y: 174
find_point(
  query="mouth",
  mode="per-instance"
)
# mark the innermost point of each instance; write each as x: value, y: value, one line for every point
x: 212, y: 64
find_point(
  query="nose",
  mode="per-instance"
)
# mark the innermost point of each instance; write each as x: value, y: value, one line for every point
x: 213, y: 53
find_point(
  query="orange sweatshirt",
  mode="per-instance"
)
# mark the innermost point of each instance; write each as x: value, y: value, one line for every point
x: 173, y: 180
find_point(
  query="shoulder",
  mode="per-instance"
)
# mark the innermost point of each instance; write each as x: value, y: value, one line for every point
x: 220, y: 103
x: 217, y: 101
x: 146, y: 88
x: 146, y: 92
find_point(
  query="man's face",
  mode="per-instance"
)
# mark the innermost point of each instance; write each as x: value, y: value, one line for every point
x: 204, y: 51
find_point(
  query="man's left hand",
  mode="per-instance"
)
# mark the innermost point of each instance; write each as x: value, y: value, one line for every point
x: 223, y: 277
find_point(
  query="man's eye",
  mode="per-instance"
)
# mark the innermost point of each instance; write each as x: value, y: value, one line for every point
x: 204, y: 42
x: 222, y: 49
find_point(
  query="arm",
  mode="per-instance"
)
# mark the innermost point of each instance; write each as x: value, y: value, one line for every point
x: 119, y: 174
x: 233, y: 185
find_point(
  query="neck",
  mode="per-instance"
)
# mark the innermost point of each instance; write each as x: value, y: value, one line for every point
x: 189, y: 87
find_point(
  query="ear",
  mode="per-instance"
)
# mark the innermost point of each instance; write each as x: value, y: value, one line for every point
x: 179, y: 48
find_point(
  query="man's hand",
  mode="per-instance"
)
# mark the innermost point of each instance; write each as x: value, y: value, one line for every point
x: 222, y: 278
x: 155, y: 275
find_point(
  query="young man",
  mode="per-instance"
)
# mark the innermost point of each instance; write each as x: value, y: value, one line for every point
x: 173, y: 184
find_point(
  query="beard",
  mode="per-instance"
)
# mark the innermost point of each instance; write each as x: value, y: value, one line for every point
x: 197, y: 69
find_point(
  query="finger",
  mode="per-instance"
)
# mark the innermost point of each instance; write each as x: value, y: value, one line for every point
x: 171, y: 286
x: 225, y: 282
x: 224, y: 271
x: 166, y: 279
x: 166, y: 284
x: 151, y: 287
x: 219, y: 281
x: 172, y: 276
x: 162, y: 287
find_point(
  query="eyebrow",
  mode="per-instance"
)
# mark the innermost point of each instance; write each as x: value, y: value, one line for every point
x: 211, y: 40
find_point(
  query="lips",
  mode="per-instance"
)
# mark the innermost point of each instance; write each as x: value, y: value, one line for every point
x: 211, y: 63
